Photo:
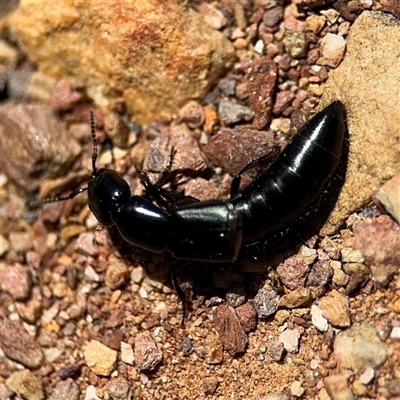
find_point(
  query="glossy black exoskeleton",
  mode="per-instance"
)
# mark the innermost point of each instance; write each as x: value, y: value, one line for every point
x: 217, y: 230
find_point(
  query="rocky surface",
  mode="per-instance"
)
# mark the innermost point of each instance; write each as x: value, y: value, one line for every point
x: 82, y: 318
x: 156, y: 55
x: 365, y: 80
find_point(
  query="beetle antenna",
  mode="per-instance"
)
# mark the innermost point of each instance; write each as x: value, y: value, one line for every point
x: 94, y: 140
x: 31, y: 204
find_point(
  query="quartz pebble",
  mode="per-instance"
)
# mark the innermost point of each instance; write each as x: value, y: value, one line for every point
x: 290, y: 339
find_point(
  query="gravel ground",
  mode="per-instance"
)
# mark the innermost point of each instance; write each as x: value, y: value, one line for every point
x: 83, y: 316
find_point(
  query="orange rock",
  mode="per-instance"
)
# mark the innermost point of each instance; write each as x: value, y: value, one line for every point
x: 157, y: 55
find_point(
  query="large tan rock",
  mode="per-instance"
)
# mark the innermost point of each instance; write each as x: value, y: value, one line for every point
x: 155, y: 54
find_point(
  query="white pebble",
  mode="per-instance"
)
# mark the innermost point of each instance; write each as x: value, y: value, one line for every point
x: 395, y: 334
x: 333, y: 47
x: 318, y: 320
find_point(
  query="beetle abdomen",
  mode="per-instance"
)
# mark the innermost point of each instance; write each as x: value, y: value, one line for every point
x: 206, y: 231
x: 296, y: 178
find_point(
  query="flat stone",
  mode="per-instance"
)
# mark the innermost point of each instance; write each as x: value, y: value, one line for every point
x: 359, y: 347
x: 335, y: 309
x: 147, y: 354
x: 26, y: 384
x: 232, y: 335
x: 367, y: 82
x: 100, y: 358
x: 18, y: 345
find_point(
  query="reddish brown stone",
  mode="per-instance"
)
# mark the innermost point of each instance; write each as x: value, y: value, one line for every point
x: 147, y: 354
x: 378, y: 239
x: 232, y: 149
x: 293, y: 272
x: 261, y: 79
x: 247, y: 316
x: 18, y: 345
x: 29, y: 150
x: 232, y: 335
x: 65, y: 95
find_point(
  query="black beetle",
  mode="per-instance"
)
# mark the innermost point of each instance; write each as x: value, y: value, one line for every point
x: 217, y: 230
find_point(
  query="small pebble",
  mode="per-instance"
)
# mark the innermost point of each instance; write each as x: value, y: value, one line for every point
x: 119, y: 389
x: 100, y: 358
x: 315, y: 23
x: 389, y: 196
x: 295, y: 43
x: 236, y: 295
x: 91, y: 393
x: 4, y: 245
x: 266, y: 302
x: 333, y: 48
x: 367, y: 376
x: 339, y: 278
x: 378, y: 240
x: 212, y: 16
x: 338, y: 387
x: 393, y: 386
x: 395, y: 333
x: 213, y: 350
x: 127, y: 355
x: 351, y: 255
x: 64, y: 95
x: 297, y: 389
x: 259, y: 47
x: 187, y: 346
x: 335, y: 309
x: 247, y: 316
x: 296, y: 298
x: 293, y: 272
x: 86, y: 244
x: 28, y: 147
x: 231, y: 113
x: 68, y: 390
x: 275, y: 349
x: 26, y: 384
x: 318, y: 319
x: 320, y: 274
x: 20, y: 242
x: 290, y: 339
x: 26, y: 350
x: 117, y: 273
x: 232, y: 334
x: 210, y: 386
x: 273, y: 16
x: 147, y: 354
x: 16, y: 280
x: 192, y: 114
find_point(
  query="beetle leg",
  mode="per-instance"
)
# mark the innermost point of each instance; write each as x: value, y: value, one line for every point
x: 265, y: 161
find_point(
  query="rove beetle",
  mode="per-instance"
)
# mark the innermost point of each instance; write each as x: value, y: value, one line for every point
x: 217, y: 230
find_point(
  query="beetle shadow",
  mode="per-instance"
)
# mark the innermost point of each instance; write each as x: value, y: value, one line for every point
x: 205, y: 284
x: 255, y: 260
